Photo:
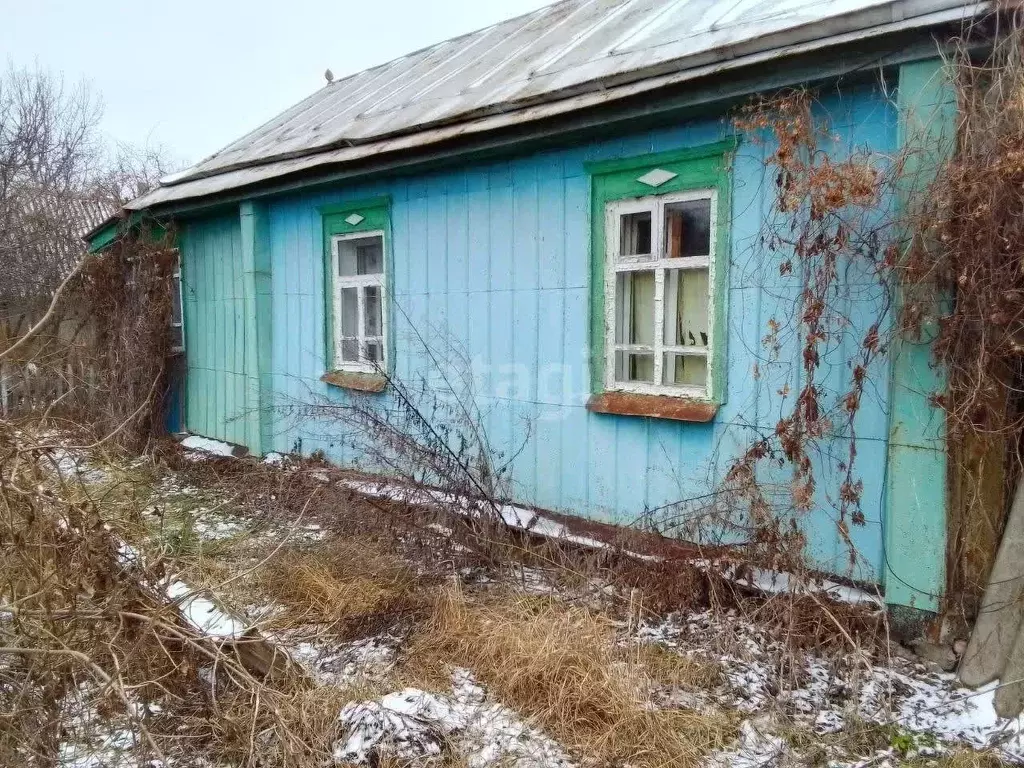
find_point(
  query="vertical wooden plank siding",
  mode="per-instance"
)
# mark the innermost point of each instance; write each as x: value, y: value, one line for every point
x: 257, y: 326
x: 490, y: 270
x: 916, y: 487
x: 211, y: 253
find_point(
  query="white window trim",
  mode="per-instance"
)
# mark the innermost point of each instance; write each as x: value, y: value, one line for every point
x: 360, y: 282
x: 614, y: 264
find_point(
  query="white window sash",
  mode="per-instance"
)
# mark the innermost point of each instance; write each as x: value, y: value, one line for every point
x: 360, y: 283
x: 658, y: 264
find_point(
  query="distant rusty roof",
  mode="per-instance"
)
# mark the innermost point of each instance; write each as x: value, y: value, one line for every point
x: 566, y: 56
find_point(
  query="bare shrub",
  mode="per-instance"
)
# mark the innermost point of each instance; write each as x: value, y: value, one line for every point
x: 127, y: 290
x: 89, y: 638
x: 429, y: 433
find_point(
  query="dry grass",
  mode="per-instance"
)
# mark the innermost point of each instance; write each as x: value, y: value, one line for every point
x: 560, y: 666
x: 346, y: 586
x: 672, y: 669
x: 288, y: 729
x: 969, y: 758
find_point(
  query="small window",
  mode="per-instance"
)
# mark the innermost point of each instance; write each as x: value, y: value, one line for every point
x: 659, y: 281
x: 359, y: 312
x: 177, y: 324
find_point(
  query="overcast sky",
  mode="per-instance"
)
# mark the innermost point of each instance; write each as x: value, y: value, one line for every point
x: 192, y: 75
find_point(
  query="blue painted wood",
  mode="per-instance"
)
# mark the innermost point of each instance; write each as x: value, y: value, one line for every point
x: 491, y: 274
x: 215, y: 387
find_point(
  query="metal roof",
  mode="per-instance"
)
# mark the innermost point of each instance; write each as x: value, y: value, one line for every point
x: 563, y: 57
x: 36, y: 208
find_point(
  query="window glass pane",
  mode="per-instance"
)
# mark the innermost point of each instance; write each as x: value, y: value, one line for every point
x: 374, y: 351
x: 350, y: 350
x: 686, y: 307
x: 372, y: 307
x: 349, y: 324
x: 176, y: 299
x: 634, y: 307
x: 687, y: 370
x: 349, y: 312
x: 634, y: 366
x: 688, y: 229
x: 635, y: 234
x: 361, y: 256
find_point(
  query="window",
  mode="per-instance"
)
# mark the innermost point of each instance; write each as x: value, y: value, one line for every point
x: 356, y: 258
x: 659, y: 282
x: 177, y: 325
x: 357, y: 268
x: 659, y: 272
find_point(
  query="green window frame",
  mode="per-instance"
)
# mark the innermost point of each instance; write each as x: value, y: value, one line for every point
x: 352, y: 225
x: 650, y: 285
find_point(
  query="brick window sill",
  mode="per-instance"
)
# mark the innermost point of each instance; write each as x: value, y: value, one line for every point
x: 361, y: 382
x: 652, y: 406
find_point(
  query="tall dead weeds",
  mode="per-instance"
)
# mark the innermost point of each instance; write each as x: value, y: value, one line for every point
x: 561, y: 665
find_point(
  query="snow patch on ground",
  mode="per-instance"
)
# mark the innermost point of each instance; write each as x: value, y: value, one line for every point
x: 755, y: 748
x: 203, y: 614
x: 412, y: 723
x: 344, y: 665
x: 824, y: 694
x: 70, y: 465
x: 207, y: 445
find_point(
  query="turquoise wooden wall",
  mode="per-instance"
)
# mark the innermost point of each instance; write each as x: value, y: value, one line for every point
x: 214, y: 304
x: 493, y: 259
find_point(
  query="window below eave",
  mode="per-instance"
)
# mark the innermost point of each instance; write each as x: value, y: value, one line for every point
x: 358, y: 284
x: 659, y: 298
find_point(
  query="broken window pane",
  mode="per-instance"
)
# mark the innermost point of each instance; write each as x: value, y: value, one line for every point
x: 685, y: 370
x: 634, y: 366
x: 361, y: 256
x: 686, y: 307
x: 635, y: 234
x: 634, y: 307
x: 688, y: 229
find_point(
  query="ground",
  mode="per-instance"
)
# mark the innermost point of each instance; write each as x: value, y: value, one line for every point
x: 411, y: 630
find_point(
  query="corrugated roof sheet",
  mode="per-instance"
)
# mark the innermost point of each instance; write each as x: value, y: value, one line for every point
x: 576, y: 49
x: 34, y: 209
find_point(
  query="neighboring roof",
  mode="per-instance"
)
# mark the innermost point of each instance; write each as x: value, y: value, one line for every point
x: 36, y: 210
x: 82, y: 212
x: 564, y: 57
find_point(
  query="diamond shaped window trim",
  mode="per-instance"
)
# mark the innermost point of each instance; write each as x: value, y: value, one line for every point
x: 657, y: 177
x: 355, y: 218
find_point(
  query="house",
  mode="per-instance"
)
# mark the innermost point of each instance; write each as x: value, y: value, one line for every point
x: 561, y: 202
